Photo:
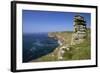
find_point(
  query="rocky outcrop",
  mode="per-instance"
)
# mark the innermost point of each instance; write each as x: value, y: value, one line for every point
x: 78, y: 36
x: 79, y: 30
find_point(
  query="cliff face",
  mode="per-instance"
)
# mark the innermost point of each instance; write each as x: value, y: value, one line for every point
x: 66, y: 51
x: 64, y: 40
x: 68, y: 39
x: 63, y: 37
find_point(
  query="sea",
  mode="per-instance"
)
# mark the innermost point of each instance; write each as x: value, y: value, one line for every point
x: 36, y: 45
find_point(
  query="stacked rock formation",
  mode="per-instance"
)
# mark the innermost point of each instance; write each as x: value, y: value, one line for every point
x: 79, y: 30
x: 78, y: 36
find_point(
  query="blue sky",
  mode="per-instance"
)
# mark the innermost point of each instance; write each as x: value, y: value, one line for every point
x: 49, y: 21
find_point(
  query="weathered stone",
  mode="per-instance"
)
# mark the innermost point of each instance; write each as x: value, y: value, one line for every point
x: 79, y: 30
x: 78, y: 36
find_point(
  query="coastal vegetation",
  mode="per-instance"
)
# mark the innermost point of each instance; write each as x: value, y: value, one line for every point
x: 80, y: 51
x: 73, y: 45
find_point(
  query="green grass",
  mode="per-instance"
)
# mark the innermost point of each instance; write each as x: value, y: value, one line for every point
x: 67, y: 35
x: 80, y: 51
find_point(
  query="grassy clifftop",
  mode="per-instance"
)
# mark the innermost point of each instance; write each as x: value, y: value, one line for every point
x: 65, y: 36
x: 80, y: 51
